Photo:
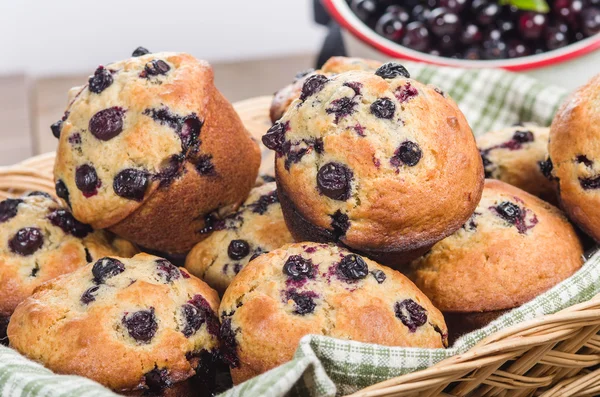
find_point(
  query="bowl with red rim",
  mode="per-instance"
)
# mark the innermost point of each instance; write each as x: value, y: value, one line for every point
x: 569, y: 66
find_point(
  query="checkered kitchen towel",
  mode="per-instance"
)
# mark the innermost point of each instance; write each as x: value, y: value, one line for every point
x: 327, y: 367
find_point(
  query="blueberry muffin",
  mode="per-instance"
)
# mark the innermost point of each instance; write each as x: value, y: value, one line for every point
x: 335, y: 65
x: 574, y: 151
x: 98, y: 320
x: 312, y: 288
x: 376, y: 161
x: 517, y: 155
x: 149, y: 148
x: 514, y: 247
x: 258, y: 227
x: 40, y: 240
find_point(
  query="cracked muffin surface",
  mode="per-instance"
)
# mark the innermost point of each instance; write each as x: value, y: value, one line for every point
x: 41, y: 240
x: 514, y: 247
x: 334, y: 65
x: 138, y: 324
x: 518, y: 156
x: 143, y: 142
x: 258, y: 227
x: 376, y: 161
x: 312, y: 288
x: 574, y: 151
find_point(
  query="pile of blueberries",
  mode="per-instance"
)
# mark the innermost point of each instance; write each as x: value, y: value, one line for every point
x: 481, y: 29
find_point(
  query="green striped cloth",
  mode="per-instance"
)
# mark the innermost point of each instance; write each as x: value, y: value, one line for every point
x: 324, y: 366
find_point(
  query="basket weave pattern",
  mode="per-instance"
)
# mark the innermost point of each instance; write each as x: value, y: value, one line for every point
x: 552, y: 356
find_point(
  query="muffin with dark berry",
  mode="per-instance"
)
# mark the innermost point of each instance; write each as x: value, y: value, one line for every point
x: 574, y: 151
x: 98, y: 320
x: 514, y: 247
x: 376, y: 161
x: 258, y: 227
x: 517, y: 155
x: 41, y: 240
x: 312, y: 288
x: 334, y: 65
x: 149, y: 148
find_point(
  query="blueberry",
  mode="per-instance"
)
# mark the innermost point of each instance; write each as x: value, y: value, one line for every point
x: 312, y: 85
x: 131, y: 184
x: 406, y: 92
x: 590, y: 183
x: 189, y: 131
x: 304, y: 302
x: 228, y: 348
x: 36, y: 193
x: 341, y: 108
x: 275, y: 136
x: 141, y: 325
x: 106, y: 268
x: 56, y: 127
x: 101, y: 80
x: 262, y: 204
x: 298, y: 268
x: 523, y: 136
x: 390, y: 26
x: 408, y: 153
x: 238, y: 249
x: 443, y: 22
x: 138, y: 52
x: 88, y: 256
x: 170, y: 169
x: 416, y: 37
x: 334, y: 181
x: 355, y: 85
x: 212, y: 322
x: 156, y: 67
x: 26, y: 241
x: 158, y: 379
x: 107, y: 123
x: 509, y: 212
x: 583, y: 159
x: 205, y: 166
x: 9, y: 209
x: 66, y: 221
x: 87, y: 180
x: 546, y: 168
x: 62, y: 191
x: 383, y: 108
x: 167, y: 270
x: 194, y: 318
x: 339, y: 223
x: 352, y: 267
x: 379, y: 276
x: 392, y: 70
x: 89, y: 295
x: 411, y: 314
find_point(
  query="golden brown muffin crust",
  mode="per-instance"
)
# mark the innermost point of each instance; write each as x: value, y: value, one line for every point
x: 491, y: 263
x: 265, y: 311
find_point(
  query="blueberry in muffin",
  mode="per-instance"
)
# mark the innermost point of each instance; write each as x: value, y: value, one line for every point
x: 149, y: 148
x: 258, y: 227
x: 574, y: 153
x: 41, y: 240
x: 518, y: 155
x: 334, y: 65
x: 312, y: 288
x: 98, y: 320
x: 376, y: 161
x: 514, y: 247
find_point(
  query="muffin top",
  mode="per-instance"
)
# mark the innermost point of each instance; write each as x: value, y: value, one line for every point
x: 100, y: 319
x: 378, y: 159
x: 128, y: 131
x: 334, y: 65
x: 40, y: 240
x: 310, y: 288
x: 258, y: 227
x: 514, y: 247
x: 517, y: 155
x: 574, y: 151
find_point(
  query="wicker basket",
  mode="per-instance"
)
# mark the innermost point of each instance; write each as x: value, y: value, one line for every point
x: 552, y: 356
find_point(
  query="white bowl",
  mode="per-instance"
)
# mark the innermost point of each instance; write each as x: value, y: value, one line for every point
x: 569, y: 67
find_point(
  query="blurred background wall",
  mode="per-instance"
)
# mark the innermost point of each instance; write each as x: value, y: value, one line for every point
x: 48, y: 46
